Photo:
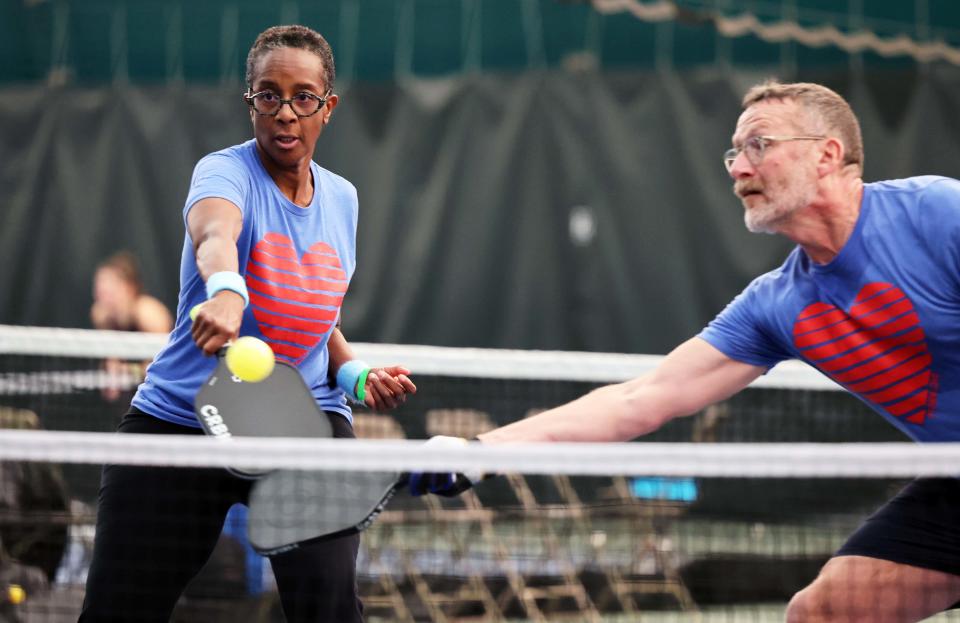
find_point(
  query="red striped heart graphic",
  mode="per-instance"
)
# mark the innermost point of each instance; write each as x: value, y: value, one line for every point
x: 877, y: 350
x: 295, y: 300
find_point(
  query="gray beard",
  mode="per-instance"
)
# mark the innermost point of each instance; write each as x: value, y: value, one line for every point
x: 766, y: 219
x: 758, y: 224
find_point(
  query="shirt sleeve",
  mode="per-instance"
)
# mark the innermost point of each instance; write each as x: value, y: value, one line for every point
x: 739, y: 330
x: 218, y: 175
x: 939, y: 217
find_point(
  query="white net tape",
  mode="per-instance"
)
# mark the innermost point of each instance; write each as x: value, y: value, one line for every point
x: 752, y: 460
x: 422, y: 360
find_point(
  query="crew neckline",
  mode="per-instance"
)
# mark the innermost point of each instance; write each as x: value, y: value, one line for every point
x: 289, y: 206
x: 841, y: 260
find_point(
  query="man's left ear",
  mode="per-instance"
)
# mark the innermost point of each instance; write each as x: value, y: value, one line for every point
x: 833, y: 154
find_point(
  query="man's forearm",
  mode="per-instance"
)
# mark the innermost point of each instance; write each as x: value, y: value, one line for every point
x: 610, y: 413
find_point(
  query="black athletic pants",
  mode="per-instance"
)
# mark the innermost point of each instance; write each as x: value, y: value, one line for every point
x: 156, y: 527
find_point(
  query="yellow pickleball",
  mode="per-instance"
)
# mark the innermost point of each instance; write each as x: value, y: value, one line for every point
x: 194, y: 310
x: 249, y: 359
x: 16, y: 594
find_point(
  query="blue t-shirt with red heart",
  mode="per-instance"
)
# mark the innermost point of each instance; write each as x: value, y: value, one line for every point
x: 297, y: 263
x: 882, y: 318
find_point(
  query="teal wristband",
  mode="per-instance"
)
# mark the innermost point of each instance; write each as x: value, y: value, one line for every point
x: 227, y: 280
x: 351, y: 379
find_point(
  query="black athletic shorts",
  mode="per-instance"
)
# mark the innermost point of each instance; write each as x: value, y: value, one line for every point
x: 920, y: 526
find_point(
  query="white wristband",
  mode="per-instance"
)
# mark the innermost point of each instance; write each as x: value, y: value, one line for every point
x: 227, y: 280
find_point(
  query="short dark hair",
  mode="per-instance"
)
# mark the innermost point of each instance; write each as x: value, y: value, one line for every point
x: 125, y: 264
x: 299, y: 37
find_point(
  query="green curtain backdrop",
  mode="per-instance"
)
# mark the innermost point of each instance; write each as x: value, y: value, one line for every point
x: 550, y: 210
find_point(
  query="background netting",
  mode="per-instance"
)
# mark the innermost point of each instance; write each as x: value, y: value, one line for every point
x: 674, y: 527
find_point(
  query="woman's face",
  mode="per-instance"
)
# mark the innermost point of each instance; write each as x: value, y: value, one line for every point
x: 286, y: 140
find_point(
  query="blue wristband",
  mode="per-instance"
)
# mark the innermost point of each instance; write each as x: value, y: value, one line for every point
x: 227, y: 280
x: 352, y: 377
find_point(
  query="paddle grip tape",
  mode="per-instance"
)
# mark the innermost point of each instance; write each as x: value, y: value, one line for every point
x: 352, y: 377
x: 227, y: 280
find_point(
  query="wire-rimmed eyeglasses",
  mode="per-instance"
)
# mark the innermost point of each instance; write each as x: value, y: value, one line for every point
x: 303, y: 104
x: 755, y: 146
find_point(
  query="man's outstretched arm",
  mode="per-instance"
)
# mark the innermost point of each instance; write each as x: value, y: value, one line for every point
x: 693, y: 376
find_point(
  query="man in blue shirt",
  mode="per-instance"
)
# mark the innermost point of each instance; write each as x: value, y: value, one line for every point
x: 269, y: 251
x: 870, y: 296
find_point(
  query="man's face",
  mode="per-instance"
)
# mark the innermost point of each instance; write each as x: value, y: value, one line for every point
x: 784, y: 179
x: 285, y: 139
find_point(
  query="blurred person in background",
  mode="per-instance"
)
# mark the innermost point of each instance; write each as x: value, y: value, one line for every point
x: 120, y: 304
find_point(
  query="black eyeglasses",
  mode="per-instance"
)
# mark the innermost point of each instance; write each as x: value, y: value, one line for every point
x: 756, y: 146
x: 303, y: 104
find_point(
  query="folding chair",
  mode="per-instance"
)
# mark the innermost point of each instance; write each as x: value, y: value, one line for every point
x: 443, y: 593
x: 652, y: 571
x: 533, y: 590
x: 384, y: 592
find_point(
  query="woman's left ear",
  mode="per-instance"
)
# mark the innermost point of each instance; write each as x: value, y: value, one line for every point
x: 328, y: 107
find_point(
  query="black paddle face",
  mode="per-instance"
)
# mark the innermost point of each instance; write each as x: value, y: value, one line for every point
x: 289, y: 508
x: 278, y: 406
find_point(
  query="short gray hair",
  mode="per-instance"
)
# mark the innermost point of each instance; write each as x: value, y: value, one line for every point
x: 824, y: 103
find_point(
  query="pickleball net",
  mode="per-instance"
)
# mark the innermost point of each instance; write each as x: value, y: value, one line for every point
x: 717, y: 517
